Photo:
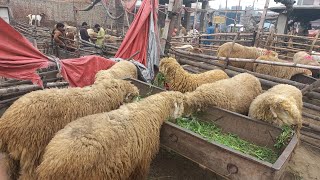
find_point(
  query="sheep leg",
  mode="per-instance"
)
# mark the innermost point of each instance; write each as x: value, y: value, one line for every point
x: 140, y: 172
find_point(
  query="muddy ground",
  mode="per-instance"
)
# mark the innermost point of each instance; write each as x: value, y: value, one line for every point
x: 304, y: 165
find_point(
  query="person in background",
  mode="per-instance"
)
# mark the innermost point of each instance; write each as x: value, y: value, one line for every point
x: 101, y: 34
x: 58, y: 34
x: 209, y: 30
x: 84, y: 33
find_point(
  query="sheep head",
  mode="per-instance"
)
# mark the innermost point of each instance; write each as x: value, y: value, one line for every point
x: 42, y: 14
x: 271, y: 53
x: 169, y: 67
x: 285, y: 111
x: 176, y: 102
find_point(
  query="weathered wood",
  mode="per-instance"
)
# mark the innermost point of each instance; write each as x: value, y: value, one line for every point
x: 314, y: 42
x: 270, y: 78
x: 266, y: 79
x: 31, y: 87
x: 247, y: 60
x: 261, y: 23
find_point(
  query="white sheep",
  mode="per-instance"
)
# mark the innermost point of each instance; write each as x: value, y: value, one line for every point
x: 115, y: 145
x: 29, y: 124
x: 280, y: 105
x: 234, y: 94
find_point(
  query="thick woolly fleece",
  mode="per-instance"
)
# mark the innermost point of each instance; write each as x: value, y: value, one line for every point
x: 280, y: 105
x: 240, y: 51
x: 278, y: 71
x: 180, y: 80
x: 234, y: 94
x: 30, y: 123
x: 121, y: 70
x: 112, y: 146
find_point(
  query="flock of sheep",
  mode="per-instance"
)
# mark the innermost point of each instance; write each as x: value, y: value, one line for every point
x: 102, y: 132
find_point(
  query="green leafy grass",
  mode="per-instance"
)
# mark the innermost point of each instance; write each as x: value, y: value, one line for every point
x: 213, y: 133
x: 159, y: 80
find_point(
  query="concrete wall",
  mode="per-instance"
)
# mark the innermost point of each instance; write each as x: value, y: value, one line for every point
x: 56, y: 11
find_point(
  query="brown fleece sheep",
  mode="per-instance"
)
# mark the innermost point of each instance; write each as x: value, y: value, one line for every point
x: 278, y: 71
x: 180, y: 80
x: 282, y: 104
x: 115, y: 145
x: 121, y: 70
x: 30, y: 123
x: 240, y: 51
x: 234, y: 94
x: 303, y: 57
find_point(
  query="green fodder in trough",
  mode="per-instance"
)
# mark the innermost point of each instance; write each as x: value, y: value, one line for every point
x: 213, y: 133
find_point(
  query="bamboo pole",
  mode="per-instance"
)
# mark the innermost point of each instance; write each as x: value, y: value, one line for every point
x: 314, y: 42
x: 268, y: 80
x: 261, y: 23
x: 233, y: 73
x: 247, y: 60
x: 30, y: 87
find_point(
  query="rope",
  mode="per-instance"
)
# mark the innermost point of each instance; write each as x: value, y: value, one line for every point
x: 56, y: 61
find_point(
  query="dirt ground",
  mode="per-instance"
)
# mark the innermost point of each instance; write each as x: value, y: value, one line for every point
x: 304, y: 165
x: 171, y: 166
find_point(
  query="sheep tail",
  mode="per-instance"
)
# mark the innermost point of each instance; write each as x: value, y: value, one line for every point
x: 11, y: 166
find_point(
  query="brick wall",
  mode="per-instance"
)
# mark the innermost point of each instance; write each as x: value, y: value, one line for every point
x: 57, y: 11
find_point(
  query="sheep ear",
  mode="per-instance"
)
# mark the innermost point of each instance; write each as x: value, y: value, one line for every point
x: 128, y: 95
x: 273, y: 112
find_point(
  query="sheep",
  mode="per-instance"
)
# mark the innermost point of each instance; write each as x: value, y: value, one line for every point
x: 234, y: 94
x: 303, y: 57
x: 36, y: 18
x: 111, y: 39
x: 121, y: 70
x: 190, y: 48
x: 280, y: 105
x: 29, y: 124
x: 278, y: 71
x: 116, y: 145
x: 245, y: 52
x: 91, y: 33
x: 180, y: 80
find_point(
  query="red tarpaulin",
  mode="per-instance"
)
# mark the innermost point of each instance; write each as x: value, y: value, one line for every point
x: 136, y: 38
x: 18, y: 58
x: 81, y: 72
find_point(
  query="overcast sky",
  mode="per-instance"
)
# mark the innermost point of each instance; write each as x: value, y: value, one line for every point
x: 258, y: 4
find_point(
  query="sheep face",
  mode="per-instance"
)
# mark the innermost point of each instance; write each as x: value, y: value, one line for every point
x: 132, y: 92
x: 178, y: 110
x: 177, y: 104
x: 284, y: 111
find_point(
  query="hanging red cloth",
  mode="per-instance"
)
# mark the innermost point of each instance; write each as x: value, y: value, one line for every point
x: 136, y: 38
x: 18, y: 58
x: 81, y: 72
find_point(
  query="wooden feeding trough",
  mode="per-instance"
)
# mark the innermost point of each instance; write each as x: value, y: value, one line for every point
x: 229, y: 163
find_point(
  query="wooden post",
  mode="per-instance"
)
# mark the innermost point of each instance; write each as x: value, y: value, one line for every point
x: 313, y: 43
x: 187, y: 17
x: 195, y: 19
x: 75, y: 13
x: 203, y: 15
x: 261, y: 23
x: 173, y: 10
